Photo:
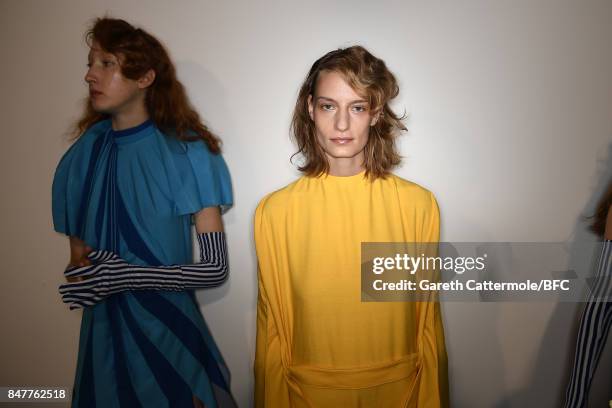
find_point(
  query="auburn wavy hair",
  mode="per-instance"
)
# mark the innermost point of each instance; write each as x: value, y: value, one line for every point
x: 371, y: 79
x: 166, y: 100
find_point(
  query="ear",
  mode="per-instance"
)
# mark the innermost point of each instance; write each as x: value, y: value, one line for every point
x: 147, y: 79
x: 310, y: 107
x: 375, y: 117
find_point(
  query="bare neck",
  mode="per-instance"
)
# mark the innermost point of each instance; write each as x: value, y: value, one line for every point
x: 346, y: 166
x: 130, y: 115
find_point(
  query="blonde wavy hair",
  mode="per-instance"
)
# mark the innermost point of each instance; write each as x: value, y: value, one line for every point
x: 371, y: 79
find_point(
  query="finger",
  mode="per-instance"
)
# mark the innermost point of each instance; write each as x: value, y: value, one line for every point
x: 81, y: 300
x: 80, y: 271
x: 75, y: 288
x: 70, y: 267
x: 100, y: 256
x: 88, y: 271
x: 64, y: 289
x: 82, y: 296
x: 80, y: 304
x: 72, y: 271
x: 92, y: 287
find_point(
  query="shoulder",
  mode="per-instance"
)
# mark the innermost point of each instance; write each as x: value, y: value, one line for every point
x: 279, y: 199
x: 203, y: 179
x: 182, y: 147
x: 412, y: 192
x: 193, y: 155
x: 90, y: 136
x: 99, y: 127
x: 84, y: 147
x: 94, y: 133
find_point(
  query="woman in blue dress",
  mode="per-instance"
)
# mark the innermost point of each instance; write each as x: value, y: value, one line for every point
x: 143, y: 169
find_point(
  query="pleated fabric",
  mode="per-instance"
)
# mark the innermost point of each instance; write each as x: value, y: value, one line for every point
x: 133, y: 192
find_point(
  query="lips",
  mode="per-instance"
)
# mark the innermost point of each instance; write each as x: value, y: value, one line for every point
x: 93, y: 93
x: 341, y: 140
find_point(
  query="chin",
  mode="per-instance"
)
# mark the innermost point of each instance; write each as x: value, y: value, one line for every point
x: 343, y: 151
x: 101, y: 109
x: 342, y: 154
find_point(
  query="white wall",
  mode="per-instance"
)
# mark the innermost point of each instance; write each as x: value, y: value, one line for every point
x: 510, y: 123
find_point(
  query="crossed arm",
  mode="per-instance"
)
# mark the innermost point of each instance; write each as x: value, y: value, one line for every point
x: 94, y: 275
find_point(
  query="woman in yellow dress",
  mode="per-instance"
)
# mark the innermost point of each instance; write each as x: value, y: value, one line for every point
x: 318, y: 344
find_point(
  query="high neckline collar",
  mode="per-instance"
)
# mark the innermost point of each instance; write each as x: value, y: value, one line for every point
x: 355, y: 178
x: 132, y: 134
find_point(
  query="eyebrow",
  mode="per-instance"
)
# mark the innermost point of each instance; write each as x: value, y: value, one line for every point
x: 100, y: 50
x: 91, y: 52
x: 332, y: 100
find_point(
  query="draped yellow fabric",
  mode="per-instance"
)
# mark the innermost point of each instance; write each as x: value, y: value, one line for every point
x: 318, y: 345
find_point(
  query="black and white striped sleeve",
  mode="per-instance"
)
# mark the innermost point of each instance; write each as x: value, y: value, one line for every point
x: 110, y: 274
x: 593, y: 331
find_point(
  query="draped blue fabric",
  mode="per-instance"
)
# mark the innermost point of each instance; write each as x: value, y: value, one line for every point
x: 133, y: 192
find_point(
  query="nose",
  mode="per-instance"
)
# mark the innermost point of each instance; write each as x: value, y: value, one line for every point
x: 342, y: 120
x: 90, y: 76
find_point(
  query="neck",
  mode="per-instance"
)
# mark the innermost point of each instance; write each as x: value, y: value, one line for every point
x: 129, y: 117
x: 346, y: 166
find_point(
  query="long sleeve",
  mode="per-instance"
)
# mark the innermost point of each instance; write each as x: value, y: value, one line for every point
x: 270, y: 385
x: 433, y: 385
x: 110, y: 274
x: 261, y: 348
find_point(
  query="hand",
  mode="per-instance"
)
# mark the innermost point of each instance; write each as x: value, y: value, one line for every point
x: 88, y: 284
x: 78, y: 258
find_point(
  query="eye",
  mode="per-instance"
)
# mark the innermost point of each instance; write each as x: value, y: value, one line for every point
x: 360, y: 108
x: 327, y: 106
x: 107, y: 63
x: 88, y: 65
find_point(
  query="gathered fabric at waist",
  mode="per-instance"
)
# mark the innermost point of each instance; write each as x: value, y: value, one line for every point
x: 355, y: 377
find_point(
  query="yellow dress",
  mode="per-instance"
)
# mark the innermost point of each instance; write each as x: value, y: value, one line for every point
x: 318, y: 345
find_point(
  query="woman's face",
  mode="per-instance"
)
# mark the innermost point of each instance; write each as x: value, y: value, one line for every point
x: 109, y: 91
x: 342, y: 120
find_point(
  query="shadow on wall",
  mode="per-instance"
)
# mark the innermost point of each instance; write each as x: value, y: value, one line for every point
x: 201, y: 82
x: 552, y: 369
x: 209, y: 97
x: 468, y: 356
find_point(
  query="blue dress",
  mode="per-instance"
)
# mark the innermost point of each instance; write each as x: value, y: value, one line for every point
x: 133, y: 192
